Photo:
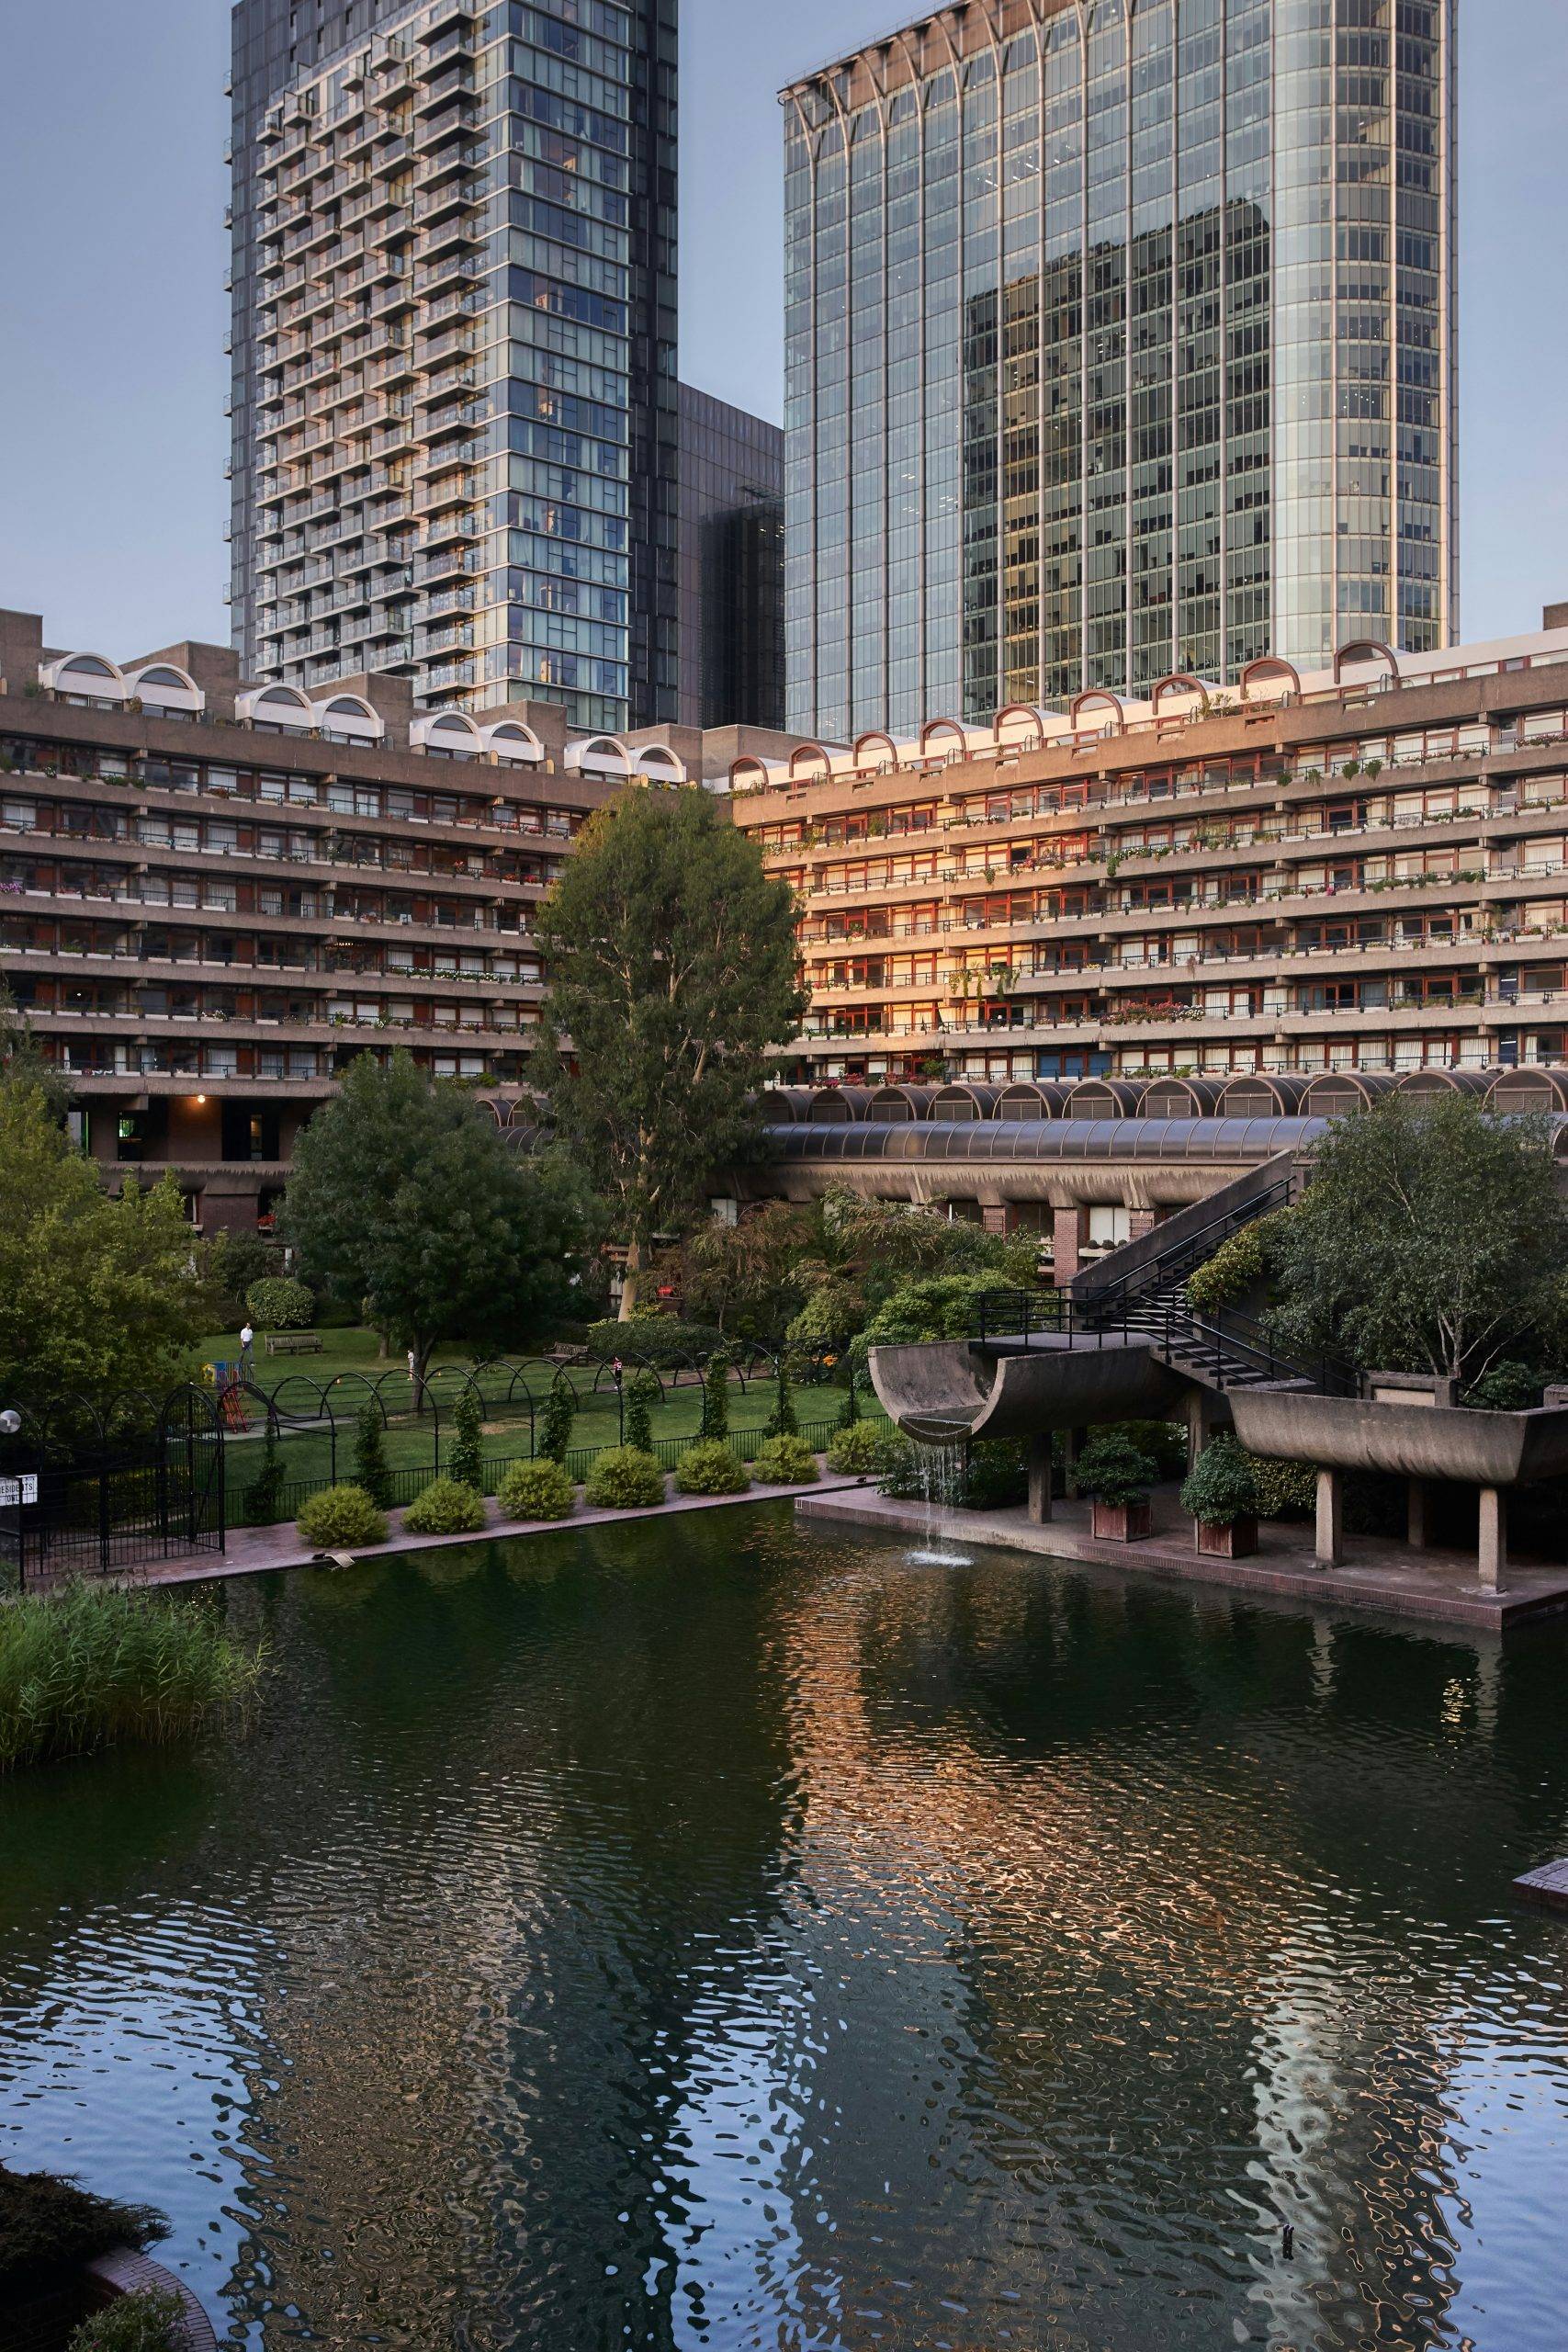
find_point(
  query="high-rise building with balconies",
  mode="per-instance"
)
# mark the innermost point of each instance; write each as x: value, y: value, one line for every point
x: 455, y: 427
x: 1119, y: 343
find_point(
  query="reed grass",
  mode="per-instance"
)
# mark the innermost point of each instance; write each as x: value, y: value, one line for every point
x: 91, y: 1666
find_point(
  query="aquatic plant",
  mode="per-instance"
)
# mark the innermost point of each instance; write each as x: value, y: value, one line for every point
x: 91, y: 1667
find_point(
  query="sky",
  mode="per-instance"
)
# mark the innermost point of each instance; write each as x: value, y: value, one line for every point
x: 112, y: 309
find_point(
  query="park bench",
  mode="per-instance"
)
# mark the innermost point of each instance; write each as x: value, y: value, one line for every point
x: 294, y: 1343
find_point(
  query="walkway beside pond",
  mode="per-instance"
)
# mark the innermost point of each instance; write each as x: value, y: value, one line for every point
x: 1383, y: 1576
x: 255, y: 1551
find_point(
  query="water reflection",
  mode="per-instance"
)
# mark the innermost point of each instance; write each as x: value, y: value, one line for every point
x: 711, y: 1935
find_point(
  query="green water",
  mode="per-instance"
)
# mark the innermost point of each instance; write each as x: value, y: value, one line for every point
x: 707, y: 1933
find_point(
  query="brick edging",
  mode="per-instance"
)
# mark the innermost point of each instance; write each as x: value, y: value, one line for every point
x: 126, y: 2272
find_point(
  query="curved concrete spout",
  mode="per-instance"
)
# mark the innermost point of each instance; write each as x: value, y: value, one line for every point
x: 943, y: 1390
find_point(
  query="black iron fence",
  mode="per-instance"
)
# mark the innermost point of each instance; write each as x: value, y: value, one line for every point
x: 105, y: 1489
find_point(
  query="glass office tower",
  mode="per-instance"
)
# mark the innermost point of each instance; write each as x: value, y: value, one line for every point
x: 1120, y: 344
x: 732, y: 664
x: 456, y: 428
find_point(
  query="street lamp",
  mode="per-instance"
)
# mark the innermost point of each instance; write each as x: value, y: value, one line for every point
x: 10, y: 1421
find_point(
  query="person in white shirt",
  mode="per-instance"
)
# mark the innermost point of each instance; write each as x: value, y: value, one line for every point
x: 247, y: 1362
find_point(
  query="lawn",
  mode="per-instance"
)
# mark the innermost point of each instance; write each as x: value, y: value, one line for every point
x: 313, y: 1393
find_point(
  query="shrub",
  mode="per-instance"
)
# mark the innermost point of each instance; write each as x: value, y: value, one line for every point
x: 49, y: 2225
x: 1238, y: 1265
x: 1114, y: 1471
x: 662, y: 1341
x: 466, y: 1463
x: 446, y: 1506
x: 626, y: 1478
x: 716, y: 1395
x: 864, y: 1450
x: 995, y: 1477
x: 139, y: 2323
x: 1164, y: 1442
x: 643, y: 1392
x: 537, y: 1490
x: 90, y: 1667
x: 782, y: 1423
x: 264, y: 1496
x: 1506, y: 1388
x: 849, y: 1411
x: 341, y: 1518
x: 1221, y: 1488
x: 371, y: 1466
x: 785, y: 1461
x: 1284, y: 1489
x: 711, y: 1467
x: 280, y: 1305
x: 560, y: 1412
x: 235, y: 1264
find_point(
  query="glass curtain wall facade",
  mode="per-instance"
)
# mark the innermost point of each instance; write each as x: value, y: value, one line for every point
x: 455, y: 404
x: 1119, y: 345
x: 731, y: 565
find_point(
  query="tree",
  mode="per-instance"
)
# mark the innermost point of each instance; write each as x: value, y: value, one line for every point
x: 744, y: 1278
x: 643, y: 1392
x: 716, y: 1395
x: 560, y: 1412
x: 96, y: 1296
x: 672, y: 970
x: 371, y: 1469
x: 404, y: 1197
x: 466, y: 1462
x: 23, y: 1061
x: 783, y: 1420
x: 1432, y: 1239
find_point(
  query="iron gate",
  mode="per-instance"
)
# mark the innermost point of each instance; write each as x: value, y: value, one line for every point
x: 100, y: 1490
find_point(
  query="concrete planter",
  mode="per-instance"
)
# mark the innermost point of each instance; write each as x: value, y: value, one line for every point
x: 1236, y: 1541
x: 1122, y: 1522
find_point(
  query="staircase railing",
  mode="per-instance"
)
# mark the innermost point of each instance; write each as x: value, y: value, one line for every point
x: 1231, y: 1347
x: 1171, y: 1266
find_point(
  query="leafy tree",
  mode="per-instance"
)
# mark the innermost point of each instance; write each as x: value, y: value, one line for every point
x: 23, y: 1061
x: 96, y: 1296
x: 746, y: 1278
x: 560, y: 1412
x: 642, y: 1392
x: 939, y: 1306
x: 672, y: 970
x: 1432, y: 1239
x: 264, y: 1496
x: 716, y: 1395
x: 466, y: 1463
x: 783, y: 1421
x: 235, y: 1263
x: 404, y: 1196
x: 371, y: 1469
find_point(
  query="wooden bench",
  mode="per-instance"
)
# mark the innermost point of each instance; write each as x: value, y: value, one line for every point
x: 294, y: 1343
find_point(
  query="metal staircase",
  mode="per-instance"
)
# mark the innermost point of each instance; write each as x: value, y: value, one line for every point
x: 1146, y: 1303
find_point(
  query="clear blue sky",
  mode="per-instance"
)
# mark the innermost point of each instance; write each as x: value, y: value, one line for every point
x: 112, y: 310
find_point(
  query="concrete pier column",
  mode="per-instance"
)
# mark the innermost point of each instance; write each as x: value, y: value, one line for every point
x: 1330, y: 1518
x: 1207, y: 1413
x: 1494, y: 1539
x: 1069, y: 1232
x: 1416, y: 1515
x: 1139, y: 1223
x: 1040, y: 1480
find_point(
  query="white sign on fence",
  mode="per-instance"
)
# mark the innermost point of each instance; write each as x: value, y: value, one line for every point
x: 14, y: 1491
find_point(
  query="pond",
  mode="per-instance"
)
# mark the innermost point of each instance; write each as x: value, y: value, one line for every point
x: 708, y: 1932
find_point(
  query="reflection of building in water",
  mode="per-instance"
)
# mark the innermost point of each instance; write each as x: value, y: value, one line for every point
x: 1120, y: 1986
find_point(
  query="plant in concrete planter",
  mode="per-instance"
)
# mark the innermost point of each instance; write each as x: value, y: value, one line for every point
x: 1220, y: 1492
x: 1116, y: 1476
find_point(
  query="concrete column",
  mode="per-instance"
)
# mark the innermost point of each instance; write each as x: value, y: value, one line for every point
x: 1207, y: 1412
x: 1494, y: 1539
x: 1330, y: 1518
x: 1040, y: 1480
x: 1416, y: 1515
x: 995, y: 1220
x: 1070, y: 1232
x: 1139, y: 1222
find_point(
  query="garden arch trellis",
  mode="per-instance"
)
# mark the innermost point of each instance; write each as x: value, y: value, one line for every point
x: 91, y: 1488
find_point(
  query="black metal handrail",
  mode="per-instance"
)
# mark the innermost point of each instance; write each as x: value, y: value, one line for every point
x: 1183, y: 1257
x: 1231, y: 1345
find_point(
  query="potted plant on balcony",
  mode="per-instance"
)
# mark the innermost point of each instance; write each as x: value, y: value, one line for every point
x: 1116, y: 1474
x: 1220, y: 1492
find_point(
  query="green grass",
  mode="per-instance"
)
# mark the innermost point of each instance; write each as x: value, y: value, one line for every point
x: 307, y: 1451
x: 92, y: 1668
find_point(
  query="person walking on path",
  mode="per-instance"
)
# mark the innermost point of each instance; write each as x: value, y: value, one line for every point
x: 247, y: 1361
